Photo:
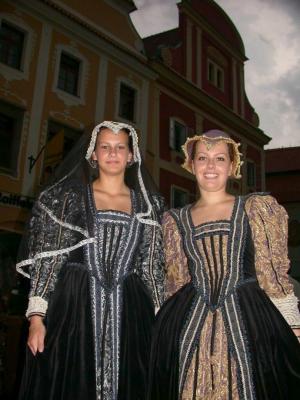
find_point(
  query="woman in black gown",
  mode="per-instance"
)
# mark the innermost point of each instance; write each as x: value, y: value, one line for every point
x: 96, y: 272
x: 225, y: 330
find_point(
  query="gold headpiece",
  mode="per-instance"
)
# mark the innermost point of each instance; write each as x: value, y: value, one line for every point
x: 210, y: 138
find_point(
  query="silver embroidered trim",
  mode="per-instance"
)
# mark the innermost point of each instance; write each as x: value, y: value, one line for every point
x: 36, y: 305
x: 288, y: 307
x: 51, y: 253
x: 60, y: 222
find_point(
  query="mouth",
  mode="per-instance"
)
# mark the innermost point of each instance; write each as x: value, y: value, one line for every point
x: 210, y: 176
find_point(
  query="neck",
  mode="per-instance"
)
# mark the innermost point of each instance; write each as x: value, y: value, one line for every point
x: 211, y: 198
x: 110, y: 184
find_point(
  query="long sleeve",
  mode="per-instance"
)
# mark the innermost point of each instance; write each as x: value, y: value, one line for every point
x: 150, y: 261
x: 177, y: 274
x: 268, y: 222
x: 47, y: 243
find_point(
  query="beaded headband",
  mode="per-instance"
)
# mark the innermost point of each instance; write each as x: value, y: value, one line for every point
x: 210, y: 139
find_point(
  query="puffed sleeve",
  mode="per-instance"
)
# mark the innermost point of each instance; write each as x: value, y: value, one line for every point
x: 150, y: 260
x: 177, y: 273
x: 268, y: 222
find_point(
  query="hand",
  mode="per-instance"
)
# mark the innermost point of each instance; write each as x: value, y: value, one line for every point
x: 297, y: 333
x: 37, y: 333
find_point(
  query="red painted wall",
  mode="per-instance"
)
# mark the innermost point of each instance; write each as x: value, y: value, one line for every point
x: 223, y: 96
x: 167, y: 179
x: 170, y: 107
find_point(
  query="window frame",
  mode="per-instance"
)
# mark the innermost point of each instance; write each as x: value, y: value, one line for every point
x: 216, y: 69
x: 21, y: 31
x: 172, y: 139
x: 73, y: 59
x: 251, y: 184
x: 11, y: 73
x: 184, y: 191
x: 68, y: 98
x: 17, y: 114
x: 136, y: 102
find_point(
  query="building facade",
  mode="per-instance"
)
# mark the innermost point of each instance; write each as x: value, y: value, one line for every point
x: 200, y: 86
x: 283, y: 182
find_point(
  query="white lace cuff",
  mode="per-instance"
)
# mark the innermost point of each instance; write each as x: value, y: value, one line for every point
x: 288, y: 306
x: 37, y: 305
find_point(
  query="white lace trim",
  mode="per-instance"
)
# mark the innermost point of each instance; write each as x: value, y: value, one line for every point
x: 51, y: 253
x: 288, y: 306
x: 36, y: 305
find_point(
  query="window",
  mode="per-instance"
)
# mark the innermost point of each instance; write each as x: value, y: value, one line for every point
x: 215, y: 75
x: 11, y: 45
x: 11, y: 121
x: 60, y: 140
x: 68, y: 77
x: 178, y: 134
x: 251, y: 174
x: 179, y: 197
x: 127, y: 102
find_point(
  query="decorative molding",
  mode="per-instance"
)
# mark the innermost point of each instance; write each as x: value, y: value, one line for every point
x: 12, y: 97
x: 217, y: 56
x: 66, y: 119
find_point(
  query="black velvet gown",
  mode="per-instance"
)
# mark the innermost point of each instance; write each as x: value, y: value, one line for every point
x: 220, y: 336
x: 100, y: 315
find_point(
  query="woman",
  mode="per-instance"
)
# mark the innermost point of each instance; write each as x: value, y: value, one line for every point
x: 219, y: 334
x: 96, y: 273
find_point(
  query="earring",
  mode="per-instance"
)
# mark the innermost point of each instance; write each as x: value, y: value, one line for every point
x: 129, y: 163
x: 94, y: 164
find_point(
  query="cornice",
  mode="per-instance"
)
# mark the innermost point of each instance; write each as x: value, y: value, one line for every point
x: 175, y: 82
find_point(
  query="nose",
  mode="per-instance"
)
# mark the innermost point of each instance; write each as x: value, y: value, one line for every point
x: 112, y: 151
x: 211, y: 163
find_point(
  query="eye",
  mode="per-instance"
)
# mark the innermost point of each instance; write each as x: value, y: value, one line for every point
x: 104, y: 146
x: 121, y: 147
x: 201, y: 158
x: 220, y: 158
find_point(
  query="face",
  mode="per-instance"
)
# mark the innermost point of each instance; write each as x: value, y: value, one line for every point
x: 212, y: 167
x: 112, y: 152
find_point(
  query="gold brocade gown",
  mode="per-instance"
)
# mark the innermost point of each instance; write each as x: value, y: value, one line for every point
x: 219, y: 335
